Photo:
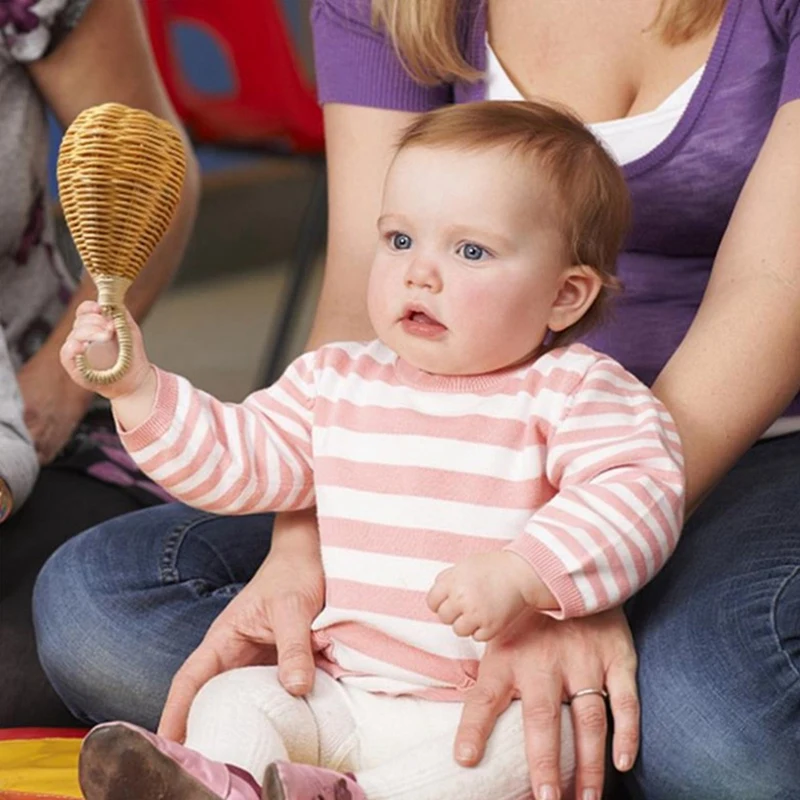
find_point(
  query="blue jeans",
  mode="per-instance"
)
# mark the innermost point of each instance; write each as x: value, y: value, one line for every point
x: 119, y: 608
x: 718, y: 631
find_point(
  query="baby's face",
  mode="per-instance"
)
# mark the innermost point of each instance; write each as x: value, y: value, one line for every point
x: 469, y: 262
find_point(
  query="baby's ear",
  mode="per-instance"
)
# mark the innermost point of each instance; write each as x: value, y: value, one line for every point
x: 580, y: 286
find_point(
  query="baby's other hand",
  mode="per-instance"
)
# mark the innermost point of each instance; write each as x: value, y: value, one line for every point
x: 483, y: 594
x: 93, y: 336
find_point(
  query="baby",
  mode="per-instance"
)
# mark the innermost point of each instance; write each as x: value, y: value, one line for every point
x: 468, y: 466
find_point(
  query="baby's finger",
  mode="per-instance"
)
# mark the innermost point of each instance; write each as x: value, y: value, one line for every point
x: 98, y: 320
x: 448, y: 612
x: 71, y: 349
x: 486, y: 632
x: 91, y: 333
x: 439, y: 592
x: 88, y: 307
x: 465, y: 626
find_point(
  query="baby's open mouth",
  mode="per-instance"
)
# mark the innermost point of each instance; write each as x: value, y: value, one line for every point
x: 419, y: 322
x: 422, y: 318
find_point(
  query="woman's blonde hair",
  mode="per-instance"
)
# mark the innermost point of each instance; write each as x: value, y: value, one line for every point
x: 426, y: 32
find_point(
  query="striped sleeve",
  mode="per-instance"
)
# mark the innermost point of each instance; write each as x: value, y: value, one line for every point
x: 231, y: 458
x: 616, y: 462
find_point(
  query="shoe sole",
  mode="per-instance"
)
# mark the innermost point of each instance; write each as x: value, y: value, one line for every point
x: 273, y: 785
x: 116, y: 763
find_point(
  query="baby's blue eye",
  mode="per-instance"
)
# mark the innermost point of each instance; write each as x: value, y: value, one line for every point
x: 472, y: 252
x: 401, y: 241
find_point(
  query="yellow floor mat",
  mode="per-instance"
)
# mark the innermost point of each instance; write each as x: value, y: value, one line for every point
x: 39, y: 764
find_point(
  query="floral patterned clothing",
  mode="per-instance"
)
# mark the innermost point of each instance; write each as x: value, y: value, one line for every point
x: 35, y: 284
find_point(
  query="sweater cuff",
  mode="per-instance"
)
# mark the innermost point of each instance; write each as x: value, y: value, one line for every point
x: 552, y: 573
x: 161, y: 418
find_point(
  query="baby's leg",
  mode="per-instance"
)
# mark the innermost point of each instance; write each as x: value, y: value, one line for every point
x: 407, y: 752
x: 246, y: 718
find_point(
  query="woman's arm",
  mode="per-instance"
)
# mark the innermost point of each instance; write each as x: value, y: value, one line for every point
x: 359, y: 144
x: 18, y: 464
x: 105, y: 58
x: 738, y: 366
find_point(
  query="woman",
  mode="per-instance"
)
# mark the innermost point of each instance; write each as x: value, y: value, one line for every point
x: 701, y: 104
x: 64, y: 55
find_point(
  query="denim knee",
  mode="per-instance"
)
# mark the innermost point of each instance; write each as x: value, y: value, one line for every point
x: 720, y: 694
x: 119, y: 608
x: 87, y: 658
x: 786, y: 617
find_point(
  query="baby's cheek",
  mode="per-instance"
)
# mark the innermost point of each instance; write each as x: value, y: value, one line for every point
x: 478, y: 304
x: 378, y: 299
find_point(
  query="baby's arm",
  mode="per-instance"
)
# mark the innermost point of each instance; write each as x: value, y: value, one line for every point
x: 222, y: 457
x: 616, y: 463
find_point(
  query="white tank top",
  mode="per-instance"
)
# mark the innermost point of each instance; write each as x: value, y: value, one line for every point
x: 627, y: 139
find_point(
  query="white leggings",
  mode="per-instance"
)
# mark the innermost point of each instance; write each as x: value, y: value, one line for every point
x: 400, y: 748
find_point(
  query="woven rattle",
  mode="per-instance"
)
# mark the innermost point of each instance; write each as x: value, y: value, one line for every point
x: 120, y: 173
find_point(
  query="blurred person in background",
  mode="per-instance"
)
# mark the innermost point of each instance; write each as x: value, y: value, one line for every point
x: 60, y: 56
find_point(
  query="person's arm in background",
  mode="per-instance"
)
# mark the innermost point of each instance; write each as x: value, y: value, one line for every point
x: 357, y: 166
x: 18, y: 464
x: 106, y: 58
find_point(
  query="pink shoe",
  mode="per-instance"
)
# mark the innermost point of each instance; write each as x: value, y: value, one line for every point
x: 285, y: 781
x: 119, y: 761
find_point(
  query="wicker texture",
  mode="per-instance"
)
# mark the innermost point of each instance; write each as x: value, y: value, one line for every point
x: 120, y: 174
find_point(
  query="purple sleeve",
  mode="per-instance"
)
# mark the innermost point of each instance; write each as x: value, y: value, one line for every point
x: 357, y: 64
x: 787, y: 23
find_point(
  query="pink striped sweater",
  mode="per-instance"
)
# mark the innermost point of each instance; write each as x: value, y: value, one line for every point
x: 568, y: 461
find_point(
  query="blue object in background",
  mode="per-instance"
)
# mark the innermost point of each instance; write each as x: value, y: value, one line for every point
x: 204, y: 65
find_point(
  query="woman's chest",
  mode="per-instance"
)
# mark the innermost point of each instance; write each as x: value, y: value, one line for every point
x: 605, y: 59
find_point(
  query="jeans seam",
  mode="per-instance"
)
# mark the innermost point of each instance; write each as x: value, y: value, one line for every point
x: 168, y: 569
x: 773, y: 619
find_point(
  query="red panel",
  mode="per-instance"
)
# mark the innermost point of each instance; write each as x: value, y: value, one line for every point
x: 273, y: 101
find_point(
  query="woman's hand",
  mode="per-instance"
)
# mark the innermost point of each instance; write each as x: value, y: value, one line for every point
x: 273, y: 612
x: 544, y: 662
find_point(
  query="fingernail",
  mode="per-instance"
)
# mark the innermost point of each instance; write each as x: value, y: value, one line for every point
x: 296, y: 679
x: 589, y: 794
x: 467, y: 753
x: 624, y: 762
x: 547, y: 793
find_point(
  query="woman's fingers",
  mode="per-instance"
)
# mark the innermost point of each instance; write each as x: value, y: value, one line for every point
x: 202, y: 665
x: 291, y: 619
x: 483, y: 704
x: 541, y: 694
x: 590, y: 724
x: 624, y: 699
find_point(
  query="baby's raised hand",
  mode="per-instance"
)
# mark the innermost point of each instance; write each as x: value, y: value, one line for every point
x: 94, y: 336
x: 484, y: 593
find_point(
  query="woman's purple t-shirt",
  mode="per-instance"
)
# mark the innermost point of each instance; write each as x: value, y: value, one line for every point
x: 683, y: 191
